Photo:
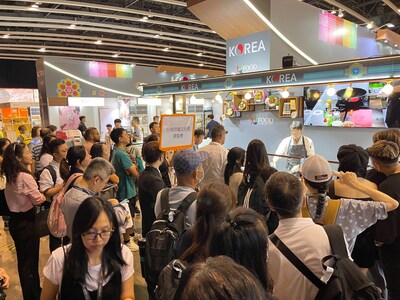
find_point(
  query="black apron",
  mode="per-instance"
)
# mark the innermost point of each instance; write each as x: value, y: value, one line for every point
x: 73, y: 290
x: 295, y: 150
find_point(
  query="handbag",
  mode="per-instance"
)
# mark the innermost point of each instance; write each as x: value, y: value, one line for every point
x: 4, y: 210
x: 41, y: 228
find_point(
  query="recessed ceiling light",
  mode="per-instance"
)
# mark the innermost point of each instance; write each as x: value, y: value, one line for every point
x: 35, y: 6
x: 145, y: 18
x: 385, y: 41
x: 369, y: 25
x: 98, y: 42
x: 156, y: 35
x: 201, y: 65
x: 72, y: 26
x: 6, y: 36
x: 199, y: 54
x: 42, y: 49
x: 115, y: 55
x: 166, y: 49
x: 333, y: 12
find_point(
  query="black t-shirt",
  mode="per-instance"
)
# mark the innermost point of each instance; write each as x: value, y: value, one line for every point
x: 388, y: 231
x: 375, y: 176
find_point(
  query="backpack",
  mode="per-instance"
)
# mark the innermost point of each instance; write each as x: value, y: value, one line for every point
x: 55, y: 219
x: 168, y: 281
x: 346, y: 281
x: 163, y: 236
x: 52, y: 173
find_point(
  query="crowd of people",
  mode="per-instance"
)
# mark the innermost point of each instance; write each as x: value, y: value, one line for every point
x: 239, y: 201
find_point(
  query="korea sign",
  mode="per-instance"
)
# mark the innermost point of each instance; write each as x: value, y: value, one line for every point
x: 248, y: 53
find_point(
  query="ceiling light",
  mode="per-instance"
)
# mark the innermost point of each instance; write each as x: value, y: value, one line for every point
x: 247, y: 96
x: 115, y: 55
x: 340, y: 14
x: 156, y: 35
x: 201, y: 65
x: 35, y: 6
x: 133, y: 65
x: 333, y: 12
x: 199, y: 54
x: 385, y: 41
x: 72, y: 26
x: 166, y: 49
x: 285, y: 94
x: 331, y: 91
x: 42, y: 49
x: 395, y: 45
x: 387, y: 89
x: 145, y: 18
x: 6, y: 36
x: 98, y: 42
x: 390, y: 25
x: 369, y: 25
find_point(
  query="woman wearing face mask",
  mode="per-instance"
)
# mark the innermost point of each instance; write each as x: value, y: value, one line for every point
x: 95, y: 265
x: 22, y: 194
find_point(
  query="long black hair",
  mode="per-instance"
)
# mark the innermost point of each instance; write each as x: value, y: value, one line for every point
x: 244, y: 237
x: 322, y: 188
x: 3, y: 141
x: 46, y: 141
x: 256, y: 159
x: 11, y: 166
x: 75, y: 154
x: 235, y: 160
x: 77, y: 259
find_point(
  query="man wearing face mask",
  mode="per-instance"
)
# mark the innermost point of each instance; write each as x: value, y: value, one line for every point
x: 150, y: 183
x: 189, y: 172
x: 295, y: 145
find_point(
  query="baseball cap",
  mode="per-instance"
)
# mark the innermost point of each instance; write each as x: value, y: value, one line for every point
x: 316, y: 169
x: 186, y: 161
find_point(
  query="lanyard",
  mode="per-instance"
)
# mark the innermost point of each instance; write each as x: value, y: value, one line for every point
x: 99, y: 289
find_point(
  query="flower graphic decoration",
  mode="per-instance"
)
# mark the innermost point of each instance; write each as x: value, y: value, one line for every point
x: 68, y: 88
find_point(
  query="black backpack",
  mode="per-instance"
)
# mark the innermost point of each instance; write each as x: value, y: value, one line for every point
x: 347, y: 281
x: 164, y: 235
x: 168, y: 281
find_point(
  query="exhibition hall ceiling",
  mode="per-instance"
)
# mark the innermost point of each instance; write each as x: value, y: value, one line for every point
x: 380, y: 12
x: 142, y: 32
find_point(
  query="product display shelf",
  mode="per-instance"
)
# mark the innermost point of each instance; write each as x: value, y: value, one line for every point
x: 12, y: 118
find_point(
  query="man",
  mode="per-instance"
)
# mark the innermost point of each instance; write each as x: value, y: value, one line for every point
x: 94, y: 179
x: 307, y: 240
x: 189, y: 172
x: 154, y: 129
x: 117, y: 123
x: 294, y: 145
x: 53, y: 128
x: 82, y: 126
x: 214, y: 167
x: 210, y: 125
x: 384, y: 156
x: 51, y: 185
x: 37, y: 149
x: 125, y: 170
x: 23, y: 137
x: 150, y: 183
x: 156, y: 119
x: 198, y: 138
x: 91, y: 135
x: 107, y: 136
x: 136, y: 130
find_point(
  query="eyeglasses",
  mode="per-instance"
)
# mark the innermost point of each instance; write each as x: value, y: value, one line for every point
x: 91, y: 236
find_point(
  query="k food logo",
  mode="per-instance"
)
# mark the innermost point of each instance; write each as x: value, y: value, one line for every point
x: 246, y: 48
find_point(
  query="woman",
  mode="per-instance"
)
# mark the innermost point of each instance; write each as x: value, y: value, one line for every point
x: 22, y: 194
x: 213, y: 204
x: 354, y: 216
x: 45, y: 155
x: 95, y: 264
x: 243, y: 236
x: 219, y: 278
x: 77, y: 159
x: 353, y: 158
x: 35, y: 135
x: 251, y: 189
x: 233, y: 173
x: 4, y: 142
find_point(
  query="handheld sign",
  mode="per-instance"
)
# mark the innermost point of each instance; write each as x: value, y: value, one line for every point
x: 177, y: 131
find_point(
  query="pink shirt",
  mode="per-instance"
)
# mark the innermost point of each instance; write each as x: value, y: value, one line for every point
x: 23, y: 194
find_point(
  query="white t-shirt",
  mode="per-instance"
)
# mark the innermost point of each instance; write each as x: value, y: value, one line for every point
x: 53, y: 270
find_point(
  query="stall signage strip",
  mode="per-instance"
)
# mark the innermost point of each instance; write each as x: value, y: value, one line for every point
x: 357, y: 70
